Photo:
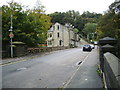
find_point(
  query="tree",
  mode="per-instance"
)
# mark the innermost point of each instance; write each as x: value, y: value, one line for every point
x: 29, y: 26
x: 109, y: 24
x: 75, y: 30
x: 57, y: 17
x: 89, y: 30
x: 18, y: 16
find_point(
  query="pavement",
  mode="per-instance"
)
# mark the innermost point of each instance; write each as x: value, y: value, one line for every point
x: 86, y: 76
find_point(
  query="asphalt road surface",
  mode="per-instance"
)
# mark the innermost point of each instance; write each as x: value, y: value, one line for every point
x: 50, y: 71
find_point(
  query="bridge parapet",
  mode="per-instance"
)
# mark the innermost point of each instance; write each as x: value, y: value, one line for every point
x: 111, y: 70
x: 109, y: 63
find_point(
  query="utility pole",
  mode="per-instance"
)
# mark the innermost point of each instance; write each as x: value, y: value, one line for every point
x: 11, y: 35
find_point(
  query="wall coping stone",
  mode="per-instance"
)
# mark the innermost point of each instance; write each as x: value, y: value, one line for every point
x: 114, y: 63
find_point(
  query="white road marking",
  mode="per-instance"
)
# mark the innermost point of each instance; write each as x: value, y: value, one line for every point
x: 66, y: 83
x: 23, y: 68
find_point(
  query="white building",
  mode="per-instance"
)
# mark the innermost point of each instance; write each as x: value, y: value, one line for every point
x: 62, y: 35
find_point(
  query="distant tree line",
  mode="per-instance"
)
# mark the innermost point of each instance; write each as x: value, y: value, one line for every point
x: 74, y: 17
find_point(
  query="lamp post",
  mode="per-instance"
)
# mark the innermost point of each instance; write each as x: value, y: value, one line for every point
x: 11, y: 35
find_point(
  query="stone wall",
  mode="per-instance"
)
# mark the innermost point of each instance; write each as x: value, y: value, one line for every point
x: 19, y: 49
x: 112, y: 70
x: 44, y: 49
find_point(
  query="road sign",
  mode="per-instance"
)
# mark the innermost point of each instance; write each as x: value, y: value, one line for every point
x: 11, y: 35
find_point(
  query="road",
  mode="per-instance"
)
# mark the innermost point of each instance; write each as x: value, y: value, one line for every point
x: 50, y: 71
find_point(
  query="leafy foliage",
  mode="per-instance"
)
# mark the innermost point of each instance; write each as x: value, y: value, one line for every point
x: 74, y: 17
x: 89, y: 28
x: 109, y: 24
x: 29, y: 26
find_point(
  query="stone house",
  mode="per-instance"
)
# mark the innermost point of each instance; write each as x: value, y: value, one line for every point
x: 62, y: 35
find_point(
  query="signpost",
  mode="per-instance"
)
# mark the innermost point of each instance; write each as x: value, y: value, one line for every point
x: 11, y: 35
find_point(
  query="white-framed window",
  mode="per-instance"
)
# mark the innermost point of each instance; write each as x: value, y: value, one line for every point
x: 58, y: 27
x: 49, y: 42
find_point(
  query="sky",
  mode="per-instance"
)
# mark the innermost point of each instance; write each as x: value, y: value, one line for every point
x: 51, y: 6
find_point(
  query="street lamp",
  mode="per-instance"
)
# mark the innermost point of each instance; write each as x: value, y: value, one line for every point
x: 11, y: 35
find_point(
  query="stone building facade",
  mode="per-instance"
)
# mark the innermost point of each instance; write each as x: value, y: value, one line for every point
x: 62, y: 35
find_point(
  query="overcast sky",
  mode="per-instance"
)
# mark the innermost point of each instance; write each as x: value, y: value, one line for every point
x: 98, y: 6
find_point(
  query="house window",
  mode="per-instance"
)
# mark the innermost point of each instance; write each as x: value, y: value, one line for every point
x: 60, y: 42
x: 53, y: 27
x: 49, y: 42
x: 58, y: 35
x: 50, y: 35
x: 58, y: 27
